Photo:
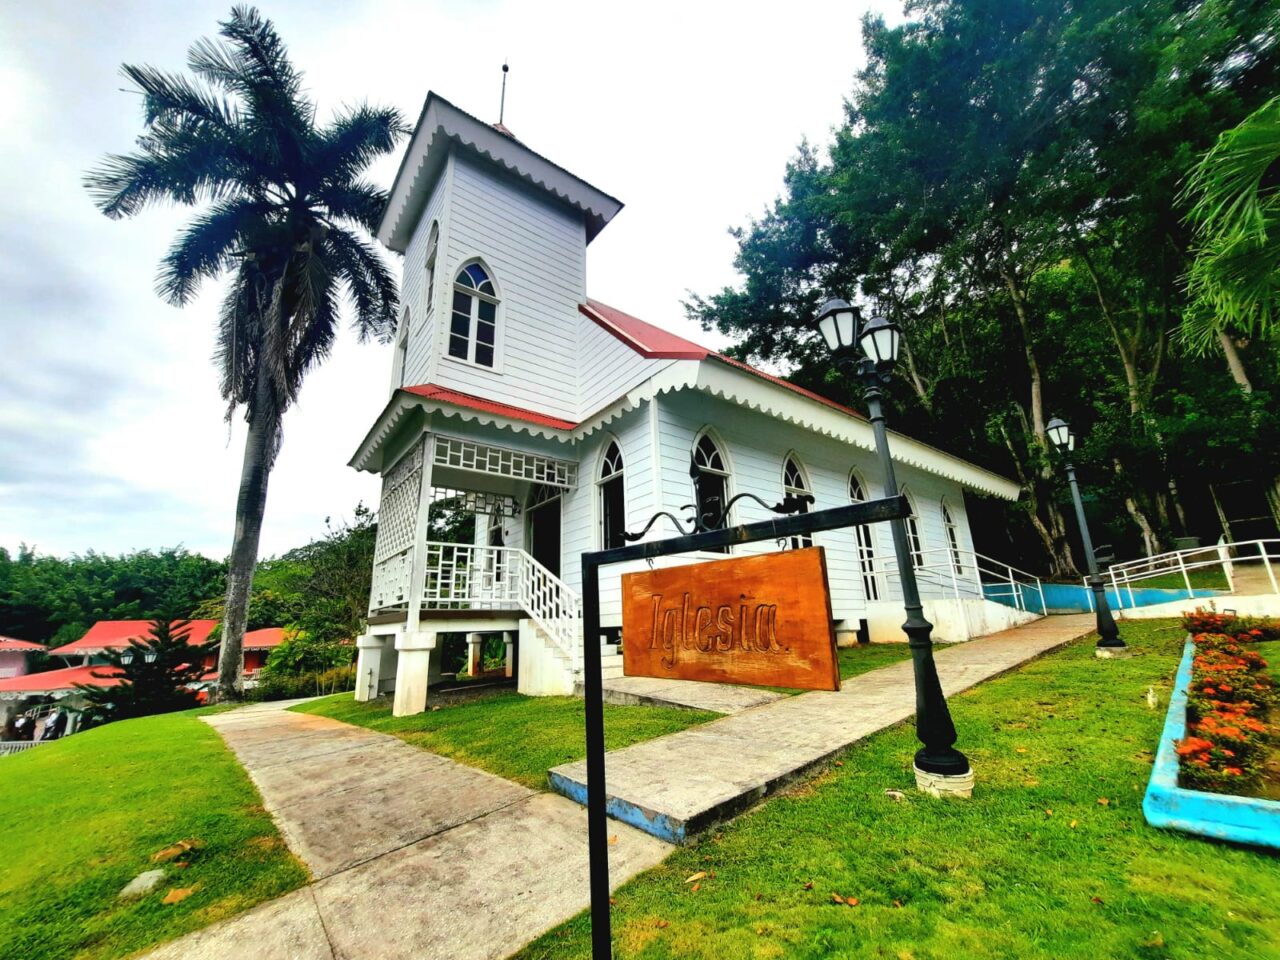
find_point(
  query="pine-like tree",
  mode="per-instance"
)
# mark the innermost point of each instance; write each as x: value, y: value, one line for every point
x: 156, y: 672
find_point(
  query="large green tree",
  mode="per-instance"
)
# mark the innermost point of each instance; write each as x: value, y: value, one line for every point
x: 284, y: 219
x: 1004, y: 187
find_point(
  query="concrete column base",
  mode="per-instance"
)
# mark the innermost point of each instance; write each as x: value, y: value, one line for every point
x: 942, y: 785
x: 1112, y: 653
x: 412, y: 679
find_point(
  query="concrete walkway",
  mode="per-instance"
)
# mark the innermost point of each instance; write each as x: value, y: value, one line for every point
x: 413, y: 855
x: 680, y: 784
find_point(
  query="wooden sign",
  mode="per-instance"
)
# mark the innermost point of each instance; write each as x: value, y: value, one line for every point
x: 762, y: 620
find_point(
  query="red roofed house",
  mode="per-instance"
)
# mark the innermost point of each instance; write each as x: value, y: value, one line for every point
x: 563, y: 422
x: 14, y: 655
x: 115, y: 635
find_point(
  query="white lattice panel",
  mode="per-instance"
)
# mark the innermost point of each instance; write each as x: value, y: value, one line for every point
x: 390, y: 589
x: 502, y: 462
x: 398, y: 511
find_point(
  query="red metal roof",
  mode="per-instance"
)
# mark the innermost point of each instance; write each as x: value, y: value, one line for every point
x: 64, y: 679
x: 644, y: 338
x: 654, y: 342
x: 9, y: 643
x: 111, y: 634
x: 264, y: 639
x: 432, y: 392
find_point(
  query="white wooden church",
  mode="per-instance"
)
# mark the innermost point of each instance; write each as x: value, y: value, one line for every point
x: 563, y: 422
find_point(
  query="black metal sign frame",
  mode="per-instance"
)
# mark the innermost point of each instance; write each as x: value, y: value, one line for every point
x: 857, y: 514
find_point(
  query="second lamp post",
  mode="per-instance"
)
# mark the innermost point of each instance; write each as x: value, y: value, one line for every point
x: 939, y: 766
x: 1109, y: 642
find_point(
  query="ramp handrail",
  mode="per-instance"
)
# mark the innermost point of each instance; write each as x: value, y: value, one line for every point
x: 1122, y: 577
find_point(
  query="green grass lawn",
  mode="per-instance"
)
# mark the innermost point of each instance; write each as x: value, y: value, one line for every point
x: 514, y: 736
x: 1208, y: 578
x: 868, y: 656
x: 82, y: 817
x: 1036, y: 864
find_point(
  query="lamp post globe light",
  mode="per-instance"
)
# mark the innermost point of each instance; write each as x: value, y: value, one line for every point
x: 1109, y: 642
x: 939, y: 766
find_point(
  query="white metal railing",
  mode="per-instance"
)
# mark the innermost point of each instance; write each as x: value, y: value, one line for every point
x: 1247, y: 566
x: 463, y: 576
x: 964, y: 574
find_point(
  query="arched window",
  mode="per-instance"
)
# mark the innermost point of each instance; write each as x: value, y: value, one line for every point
x: 613, y: 506
x: 794, y: 484
x: 402, y: 349
x: 473, y: 328
x: 432, y: 243
x: 953, y: 537
x: 914, y: 544
x: 711, y: 487
x: 866, y: 545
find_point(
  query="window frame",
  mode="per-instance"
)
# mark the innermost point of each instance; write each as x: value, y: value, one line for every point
x: 865, y: 545
x: 603, y: 480
x: 915, y: 542
x: 792, y: 460
x: 725, y: 471
x: 476, y: 297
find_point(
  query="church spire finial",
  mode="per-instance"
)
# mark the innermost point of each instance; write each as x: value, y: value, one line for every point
x: 502, y: 104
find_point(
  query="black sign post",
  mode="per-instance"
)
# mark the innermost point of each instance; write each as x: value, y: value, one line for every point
x: 857, y: 514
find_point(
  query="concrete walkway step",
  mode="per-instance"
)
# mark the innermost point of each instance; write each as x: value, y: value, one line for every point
x: 678, y: 785
x: 724, y: 698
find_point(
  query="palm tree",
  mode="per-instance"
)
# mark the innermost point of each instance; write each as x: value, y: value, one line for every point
x: 1234, y: 280
x: 285, y: 215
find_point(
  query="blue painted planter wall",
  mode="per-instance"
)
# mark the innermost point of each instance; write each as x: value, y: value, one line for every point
x: 1217, y: 815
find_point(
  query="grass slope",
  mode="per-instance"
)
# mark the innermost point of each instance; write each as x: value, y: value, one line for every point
x: 514, y: 736
x: 83, y: 816
x: 1034, y: 865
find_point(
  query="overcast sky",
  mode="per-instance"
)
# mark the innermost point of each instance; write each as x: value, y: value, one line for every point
x: 111, y: 430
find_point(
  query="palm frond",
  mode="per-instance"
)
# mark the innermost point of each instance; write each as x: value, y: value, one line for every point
x: 355, y: 139
x: 371, y: 283
x: 358, y: 202
x: 207, y: 246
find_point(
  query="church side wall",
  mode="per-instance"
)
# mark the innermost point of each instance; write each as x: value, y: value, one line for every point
x: 536, y: 251
x: 413, y: 289
x: 757, y: 445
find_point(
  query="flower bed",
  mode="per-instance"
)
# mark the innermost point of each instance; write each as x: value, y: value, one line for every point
x: 1216, y: 735
x: 1228, y: 700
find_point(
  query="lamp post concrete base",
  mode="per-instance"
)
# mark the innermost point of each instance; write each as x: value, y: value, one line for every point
x: 944, y: 785
x: 1112, y: 653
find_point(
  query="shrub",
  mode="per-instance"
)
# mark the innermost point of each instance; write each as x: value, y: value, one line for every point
x: 309, y: 684
x: 1227, y: 702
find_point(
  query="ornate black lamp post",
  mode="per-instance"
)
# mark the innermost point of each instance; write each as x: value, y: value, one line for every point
x: 940, y: 767
x: 1109, y: 642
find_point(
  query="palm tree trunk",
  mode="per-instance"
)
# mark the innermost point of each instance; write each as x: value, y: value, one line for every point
x: 251, y: 504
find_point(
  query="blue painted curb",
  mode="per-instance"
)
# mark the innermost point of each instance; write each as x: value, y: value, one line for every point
x: 1218, y: 815
x: 657, y: 824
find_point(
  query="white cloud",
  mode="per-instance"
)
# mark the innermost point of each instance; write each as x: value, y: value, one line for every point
x: 111, y: 434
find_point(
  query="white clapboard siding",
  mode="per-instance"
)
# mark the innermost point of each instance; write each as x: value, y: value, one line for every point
x: 535, y: 250
x: 607, y: 367
x: 413, y: 288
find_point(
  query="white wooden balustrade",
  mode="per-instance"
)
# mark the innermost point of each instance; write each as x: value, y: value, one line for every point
x: 461, y: 576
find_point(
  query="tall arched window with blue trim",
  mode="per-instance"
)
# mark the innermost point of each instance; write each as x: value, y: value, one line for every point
x: 473, y: 326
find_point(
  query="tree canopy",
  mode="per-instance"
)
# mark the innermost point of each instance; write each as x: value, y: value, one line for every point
x: 1005, y: 186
